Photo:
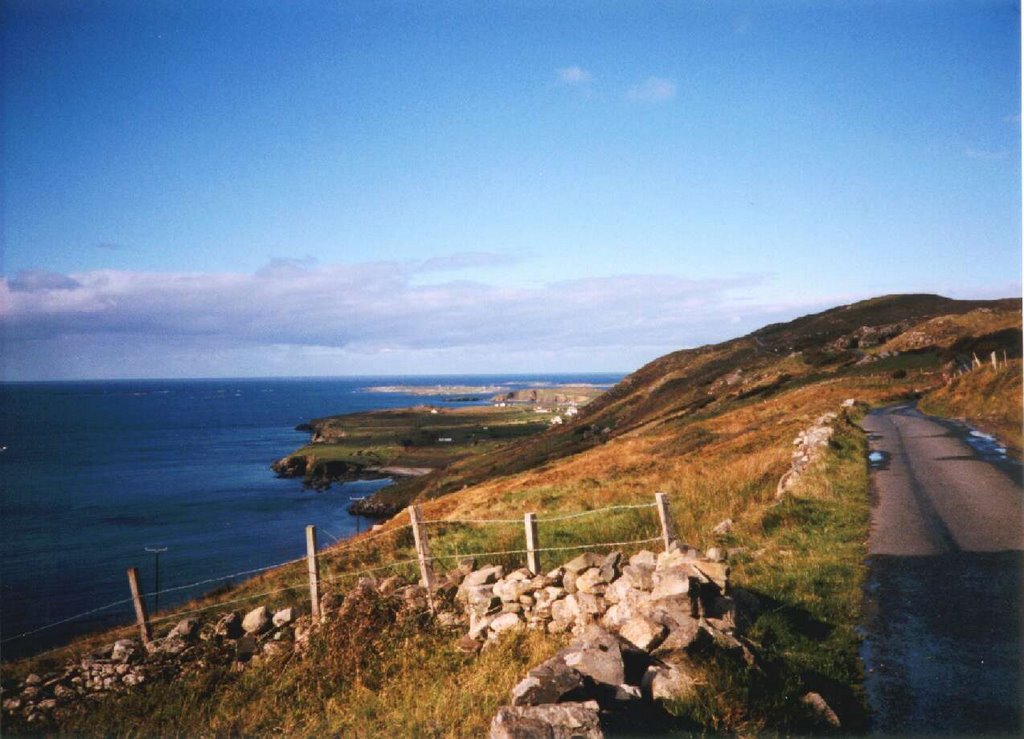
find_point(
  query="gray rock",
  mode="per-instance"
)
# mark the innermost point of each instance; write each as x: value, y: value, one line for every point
x: 722, y: 528
x: 505, y: 622
x: 591, y: 581
x: 638, y: 576
x: 256, y: 621
x: 549, y: 682
x: 468, y: 644
x: 611, y: 566
x: 643, y: 633
x: 567, y: 609
x: 124, y: 650
x: 583, y: 562
x: 283, y: 617
x: 33, y: 679
x: 552, y: 721
x: 670, y: 682
x: 245, y: 648
x: 275, y: 649
x: 669, y: 583
x: 510, y: 590
x: 389, y: 585
x: 229, y: 626
x: 478, y: 625
x: 644, y: 558
x: 187, y: 629
x: 716, y: 572
x: 601, y: 665
x: 569, y: 582
x: 484, y: 576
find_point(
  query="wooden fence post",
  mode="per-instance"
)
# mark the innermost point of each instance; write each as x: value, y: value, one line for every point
x: 995, y: 361
x: 532, y: 555
x: 313, y: 567
x: 141, y: 618
x: 977, y: 362
x: 419, y: 535
x: 668, y: 529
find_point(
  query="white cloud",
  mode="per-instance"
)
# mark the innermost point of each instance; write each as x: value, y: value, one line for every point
x: 358, y: 311
x: 653, y: 90
x: 574, y: 76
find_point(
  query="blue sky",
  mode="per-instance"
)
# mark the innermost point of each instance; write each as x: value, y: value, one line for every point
x: 297, y: 188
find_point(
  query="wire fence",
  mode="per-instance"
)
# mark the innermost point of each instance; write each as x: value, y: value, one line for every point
x: 334, y: 555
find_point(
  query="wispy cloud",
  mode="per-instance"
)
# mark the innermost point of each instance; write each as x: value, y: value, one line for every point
x: 573, y: 76
x: 986, y: 154
x: 465, y: 260
x: 653, y: 90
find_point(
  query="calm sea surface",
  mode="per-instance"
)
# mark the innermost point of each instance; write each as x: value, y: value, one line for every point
x: 95, y: 472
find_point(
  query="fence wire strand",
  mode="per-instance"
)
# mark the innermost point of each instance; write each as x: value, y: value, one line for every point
x: 341, y: 546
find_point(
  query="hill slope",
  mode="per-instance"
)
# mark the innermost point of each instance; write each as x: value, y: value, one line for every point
x: 843, y: 342
x: 712, y: 427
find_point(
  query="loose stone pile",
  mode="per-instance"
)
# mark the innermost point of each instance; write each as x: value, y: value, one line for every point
x: 810, y: 445
x: 190, y: 645
x: 640, y: 625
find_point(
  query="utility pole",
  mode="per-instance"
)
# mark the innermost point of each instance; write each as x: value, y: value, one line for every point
x: 156, y: 551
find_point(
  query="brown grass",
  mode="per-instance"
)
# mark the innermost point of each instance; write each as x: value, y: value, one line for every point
x: 990, y: 399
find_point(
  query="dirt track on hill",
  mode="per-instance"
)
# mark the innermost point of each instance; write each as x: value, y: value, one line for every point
x: 942, y: 647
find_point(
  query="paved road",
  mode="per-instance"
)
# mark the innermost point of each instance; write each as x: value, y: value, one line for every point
x: 942, y: 644
x: 935, y: 494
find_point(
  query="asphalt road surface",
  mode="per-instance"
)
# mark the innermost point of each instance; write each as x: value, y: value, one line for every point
x: 942, y: 646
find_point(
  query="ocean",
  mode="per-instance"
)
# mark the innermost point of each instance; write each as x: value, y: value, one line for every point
x: 94, y: 473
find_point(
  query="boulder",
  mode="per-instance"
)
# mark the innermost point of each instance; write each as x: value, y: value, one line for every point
x: 245, y: 648
x: 592, y: 581
x: 229, y: 626
x: 123, y: 651
x: 639, y: 576
x: 389, y: 585
x: 722, y: 528
x: 256, y: 621
x: 601, y: 665
x: 644, y: 558
x: 283, y: 617
x: 669, y: 583
x: 510, y: 590
x: 484, y: 576
x: 505, y: 622
x: 551, y: 721
x: 567, y: 609
x: 583, y: 562
x: 468, y: 644
x: 569, y: 582
x: 478, y: 625
x: 187, y: 629
x: 550, y: 682
x: 643, y: 633
x: 670, y: 682
x: 610, y: 568
x: 716, y: 572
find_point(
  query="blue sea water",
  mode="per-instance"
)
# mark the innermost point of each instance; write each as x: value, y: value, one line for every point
x: 93, y: 473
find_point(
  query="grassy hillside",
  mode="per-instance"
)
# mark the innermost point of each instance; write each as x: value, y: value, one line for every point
x: 712, y: 427
x: 987, y: 398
